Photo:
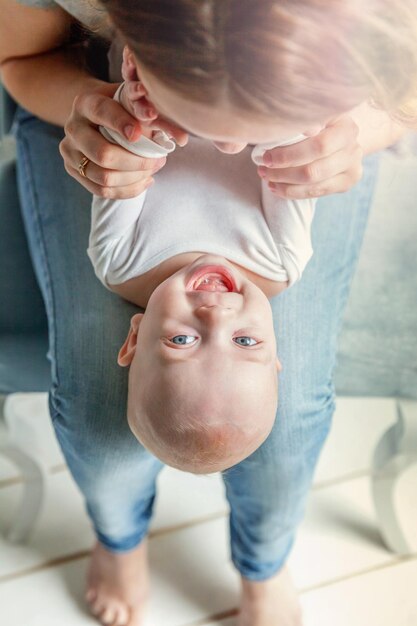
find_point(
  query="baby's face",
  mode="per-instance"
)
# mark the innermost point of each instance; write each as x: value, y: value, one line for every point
x: 206, y: 313
x: 203, y: 354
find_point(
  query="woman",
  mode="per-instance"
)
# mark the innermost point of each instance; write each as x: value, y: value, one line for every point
x: 267, y: 491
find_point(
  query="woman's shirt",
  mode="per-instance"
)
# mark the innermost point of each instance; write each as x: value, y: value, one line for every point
x: 86, y: 11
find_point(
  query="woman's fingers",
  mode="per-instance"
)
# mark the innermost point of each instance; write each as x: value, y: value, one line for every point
x: 330, y: 140
x: 95, y: 147
x: 119, y: 192
x: 330, y: 162
x: 114, y: 178
x: 336, y: 184
x: 101, y: 110
x: 313, y: 172
x: 112, y: 171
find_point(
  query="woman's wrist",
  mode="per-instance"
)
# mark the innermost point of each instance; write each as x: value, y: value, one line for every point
x: 377, y: 130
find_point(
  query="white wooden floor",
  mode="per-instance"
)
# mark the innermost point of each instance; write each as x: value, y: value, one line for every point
x: 345, y: 575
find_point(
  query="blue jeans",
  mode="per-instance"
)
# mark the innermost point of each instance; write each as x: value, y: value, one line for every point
x: 87, y: 324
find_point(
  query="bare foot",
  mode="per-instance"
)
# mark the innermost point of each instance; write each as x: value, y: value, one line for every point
x: 118, y: 585
x: 271, y: 602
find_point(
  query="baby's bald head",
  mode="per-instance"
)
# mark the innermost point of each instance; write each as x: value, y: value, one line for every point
x: 203, y: 368
x: 202, y: 421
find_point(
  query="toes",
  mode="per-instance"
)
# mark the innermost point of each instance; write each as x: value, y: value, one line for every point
x: 90, y: 596
x: 108, y: 615
x: 98, y: 606
x: 136, y: 618
x: 122, y: 616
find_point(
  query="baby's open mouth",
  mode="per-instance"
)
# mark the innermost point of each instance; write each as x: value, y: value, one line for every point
x: 212, y: 278
x: 212, y: 282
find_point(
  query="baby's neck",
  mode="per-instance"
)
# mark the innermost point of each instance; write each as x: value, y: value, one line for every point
x: 139, y: 289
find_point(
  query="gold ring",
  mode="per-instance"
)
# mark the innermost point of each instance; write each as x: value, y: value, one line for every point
x: 82, y: 165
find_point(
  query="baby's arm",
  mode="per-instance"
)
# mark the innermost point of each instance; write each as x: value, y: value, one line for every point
x: 289, y: 222
x: 114, y: 222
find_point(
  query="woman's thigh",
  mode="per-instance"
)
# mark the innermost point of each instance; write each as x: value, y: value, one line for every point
x: 267, y: 491
x: 87, y: 323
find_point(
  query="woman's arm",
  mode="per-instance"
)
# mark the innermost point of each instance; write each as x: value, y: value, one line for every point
x: 47, y: 84
x: 35, y: 68
x: 41, y: 72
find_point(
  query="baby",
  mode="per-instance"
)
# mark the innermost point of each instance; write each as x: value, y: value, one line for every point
x: 202, y: 251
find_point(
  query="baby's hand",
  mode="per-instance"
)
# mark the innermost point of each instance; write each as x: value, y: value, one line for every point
x: 134, y: 98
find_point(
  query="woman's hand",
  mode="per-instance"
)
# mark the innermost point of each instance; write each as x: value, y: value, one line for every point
x: 112, y: 171
x: 330, y: 162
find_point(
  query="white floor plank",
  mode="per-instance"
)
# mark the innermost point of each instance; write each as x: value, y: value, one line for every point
x: 183, y: 497
x: 191, y: 570
x: 406, y: 505
x: 193, y: 578
x: 381, y: 598
x: 32, y: 408
x: 358, y: 424
x: 63, y: 527
x: 339, y: 536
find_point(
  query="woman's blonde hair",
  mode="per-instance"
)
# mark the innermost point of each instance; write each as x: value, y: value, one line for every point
x: 298, y: 60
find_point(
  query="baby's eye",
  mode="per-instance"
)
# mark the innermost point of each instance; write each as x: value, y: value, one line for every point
x: 245, y: 341
x: 181, y: 340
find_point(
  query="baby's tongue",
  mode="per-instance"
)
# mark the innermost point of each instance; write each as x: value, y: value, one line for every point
x: 211, y: 282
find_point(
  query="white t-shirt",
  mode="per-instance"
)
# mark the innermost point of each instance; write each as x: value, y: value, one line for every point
x: 201, y: 201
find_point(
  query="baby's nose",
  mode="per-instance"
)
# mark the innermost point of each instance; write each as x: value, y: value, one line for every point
x: 214, y: 312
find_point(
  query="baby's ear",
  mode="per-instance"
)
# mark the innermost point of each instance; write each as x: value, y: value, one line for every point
x: 128, y: 349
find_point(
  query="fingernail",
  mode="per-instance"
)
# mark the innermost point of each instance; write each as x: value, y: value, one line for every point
x: 267, y: 158
x: 128, y: 131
